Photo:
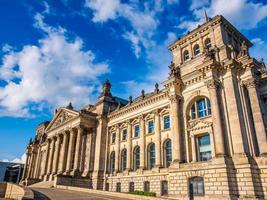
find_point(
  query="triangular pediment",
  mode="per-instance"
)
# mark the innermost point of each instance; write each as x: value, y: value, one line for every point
x: 63, y: 115
x: 199, y: 124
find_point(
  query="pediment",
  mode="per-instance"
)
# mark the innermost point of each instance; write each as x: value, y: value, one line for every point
x: 199, y: 124
x: 63, y: 115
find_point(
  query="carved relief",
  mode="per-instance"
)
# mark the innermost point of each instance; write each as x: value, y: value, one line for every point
x: 62, y: 118
x: 250, y: 83
x: 213, y: 84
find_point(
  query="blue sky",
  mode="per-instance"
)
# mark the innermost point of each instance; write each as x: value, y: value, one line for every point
x: 53, y: 52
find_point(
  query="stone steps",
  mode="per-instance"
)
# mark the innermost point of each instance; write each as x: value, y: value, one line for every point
x: 43, y: 184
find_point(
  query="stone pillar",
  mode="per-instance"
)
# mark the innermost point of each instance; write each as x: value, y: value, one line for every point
x: 77, y: 156
x: 46, y: 158
x: 37, y: 165
x: 26, y: 166
x: 56, y: 152
x: 51, y: 153
x: 234, y: 116
x: 70, y: 150
x: 213, y: 85
x: 142, y: 142
x: 257, y: 115
x: 62, y: 157
x: 88, y: 152
x: 193, y: 147
x: 117, y: 149
x: 158, y: 138
x: 175, y: 127
x: 129, y: 145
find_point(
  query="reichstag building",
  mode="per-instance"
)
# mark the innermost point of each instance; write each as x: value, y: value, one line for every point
x: 202, y: 136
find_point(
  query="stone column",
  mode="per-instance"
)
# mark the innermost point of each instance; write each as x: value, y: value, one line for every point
x: 175, y: 127
x: 129, y: 145
x: 44, y: 169
x: 158, y: 138
x: 70, y: 150
x: 251, y: 85
x: 56, y: 152
x: 234, y: 116
x: 77, y: 156
x: 142, y: 142
x: 37, y: 167
x: 62, y: 157
x: 29, y: 165
x: 193, y: 147
x: 88, y: 152
x: 117, y: 149
x: 26, y: 166
x: 213, y: 85
x: 51, y: 155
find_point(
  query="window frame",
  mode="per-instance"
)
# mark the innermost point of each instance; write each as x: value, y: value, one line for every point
x: 146, y: 186
x: 112, y: 161
x: 200, y: 182
x: 169, y: 122
x: 150, y: 130
x: 123, y: 159
x: 135, y: 126
x: 207, y: 43
x: 131, y: 186
x: 166, y: 162
x: 199, y: 158
x: 196, y: 50
x: 195, y: 111
x: 124, y: 133
x: 113, y: 138
x: 135, y: 167
x: 151, y: 158
x: 118, y: 187
x: 186, y: 55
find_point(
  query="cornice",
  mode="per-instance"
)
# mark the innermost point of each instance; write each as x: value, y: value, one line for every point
x: 140, y: 104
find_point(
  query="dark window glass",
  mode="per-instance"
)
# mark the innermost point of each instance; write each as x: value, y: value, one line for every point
x: 146, y: 186
x: 186, y: 55
x: 124, y: 134
x: 112, y: 161
x: 118, y: 187
x: 208, y: 43
x: 200, y: 108
x: 167, y: 122
x: 196, y: 50
x: 168, y: 153
x: 151, y: 126
x: 164, y: 188
x: 113, y: 138
x: 151, y: 156
x: 123, y: 159
x: 131, y: 187
x: 196, y: 186
x: 204, y: 148
x: 136, y: 130
x: 136, y: 157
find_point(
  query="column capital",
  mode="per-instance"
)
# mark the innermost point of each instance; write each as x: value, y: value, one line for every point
x: 174, y: 98
x: 213, y: 84
x: 250, y: 83
x: 155, y: 112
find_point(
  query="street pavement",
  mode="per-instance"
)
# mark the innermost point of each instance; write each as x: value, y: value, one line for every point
x: 60, y: 194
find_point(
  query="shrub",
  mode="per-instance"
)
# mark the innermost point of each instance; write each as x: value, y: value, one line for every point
x: 137, y: 192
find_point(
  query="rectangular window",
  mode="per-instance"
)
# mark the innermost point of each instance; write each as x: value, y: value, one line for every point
x: 196, y: 187
x: 204, y: 148
x: 202, y: 109
x: 113, y: 138
x: 118, y: 187
x: 164, y: 188
x: 167, y: 122
x: 131, y: 187
x: 151, y: 126
x: 124, y: 134
x: 146, y: 186
x: 136, y: 130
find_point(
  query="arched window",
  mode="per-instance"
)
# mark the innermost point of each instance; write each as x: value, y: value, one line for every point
x: 167, y: 147
x: 200, y: 108
x: 151, y: 155
x: 123, y: 159
x: 112, y: 161
x: 136, y: 158
x: 208, y: 43
x: 196, y: 50
x: 186, y: 55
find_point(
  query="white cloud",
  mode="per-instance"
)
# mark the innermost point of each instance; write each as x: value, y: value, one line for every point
x: 103, y: 9
x: 21, y: 160
x: 50, y: 74
x: 259, y: 49
x: 244, y: 14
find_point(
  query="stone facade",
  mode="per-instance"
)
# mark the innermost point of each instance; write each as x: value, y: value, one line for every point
x: 202, y: 136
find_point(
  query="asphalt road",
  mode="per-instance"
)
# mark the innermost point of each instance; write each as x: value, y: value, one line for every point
x: 60, y: 194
